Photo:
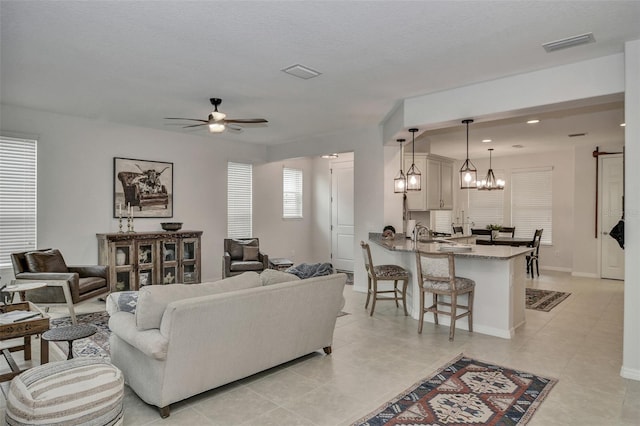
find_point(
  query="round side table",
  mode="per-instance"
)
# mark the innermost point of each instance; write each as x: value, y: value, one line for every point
x: 69, y: 334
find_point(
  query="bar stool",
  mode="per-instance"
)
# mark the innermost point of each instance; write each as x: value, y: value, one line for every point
x: 377, y: 273
x: 437, y: 274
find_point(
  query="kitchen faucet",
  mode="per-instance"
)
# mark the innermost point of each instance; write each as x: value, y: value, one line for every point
x: 420, y: 230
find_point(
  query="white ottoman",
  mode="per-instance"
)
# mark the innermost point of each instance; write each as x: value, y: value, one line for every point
x: 80, y: 391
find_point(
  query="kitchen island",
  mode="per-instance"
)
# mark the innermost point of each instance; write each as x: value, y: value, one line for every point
x: 499, y: 273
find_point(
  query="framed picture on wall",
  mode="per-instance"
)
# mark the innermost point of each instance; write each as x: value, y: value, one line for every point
x: 143, y: 188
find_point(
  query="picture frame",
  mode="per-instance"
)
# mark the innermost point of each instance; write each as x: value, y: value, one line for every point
x: 142, y: 188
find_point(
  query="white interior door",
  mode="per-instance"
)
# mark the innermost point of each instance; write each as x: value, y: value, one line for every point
x: 611, y: 191
x: 342, y: 227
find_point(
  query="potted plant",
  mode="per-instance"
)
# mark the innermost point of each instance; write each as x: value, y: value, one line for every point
x: 495, y: 229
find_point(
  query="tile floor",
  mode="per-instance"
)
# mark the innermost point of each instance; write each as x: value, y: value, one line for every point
x: 375, y: 358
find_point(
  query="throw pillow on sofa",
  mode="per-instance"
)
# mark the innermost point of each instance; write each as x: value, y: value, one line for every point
x: 153, y: 299
x: 273, y: 276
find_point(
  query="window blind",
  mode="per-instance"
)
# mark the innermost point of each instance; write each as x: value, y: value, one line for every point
x: 18, y: 197
x: 239, y: 200
x: 291, y: 193
x: 486, y: 207
x: 442, y: 222
x: 531, y: 202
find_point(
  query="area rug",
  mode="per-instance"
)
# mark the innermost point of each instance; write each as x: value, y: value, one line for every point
x: 544, y: 300
x: 96, y: 345
x: 466, y: 392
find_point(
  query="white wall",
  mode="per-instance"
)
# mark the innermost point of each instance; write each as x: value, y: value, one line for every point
x: 631, y: 353
x: 75, y: 175
x: 280, y: 237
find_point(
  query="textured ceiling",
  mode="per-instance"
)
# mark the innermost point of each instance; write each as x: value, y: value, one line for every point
x: 135, y: 62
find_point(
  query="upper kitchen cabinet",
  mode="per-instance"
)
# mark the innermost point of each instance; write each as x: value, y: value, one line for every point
x: 437, y: 183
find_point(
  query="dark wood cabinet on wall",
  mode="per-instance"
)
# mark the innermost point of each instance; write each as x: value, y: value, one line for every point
x: 148, y: 258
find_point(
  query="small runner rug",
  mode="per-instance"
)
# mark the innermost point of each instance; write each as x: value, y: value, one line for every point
x: 96, y: 345
x: 544, y: 300
x: 466, y: 392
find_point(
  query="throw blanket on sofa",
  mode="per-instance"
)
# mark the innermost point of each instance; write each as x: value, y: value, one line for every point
x: 308, y: 270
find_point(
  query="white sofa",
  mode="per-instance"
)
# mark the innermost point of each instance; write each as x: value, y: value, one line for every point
x: 185, y: 339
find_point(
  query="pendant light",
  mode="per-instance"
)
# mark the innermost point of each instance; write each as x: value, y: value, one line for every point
x: 400, y: 181
x: 490, y: 182
x: 468, y: 172
x: 414, y: 177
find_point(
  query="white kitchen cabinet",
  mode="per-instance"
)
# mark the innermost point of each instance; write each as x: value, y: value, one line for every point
x: 437, y: 183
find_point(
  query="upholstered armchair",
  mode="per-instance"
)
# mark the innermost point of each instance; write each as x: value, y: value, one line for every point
x: 65, y: 284
x: 242, y: 255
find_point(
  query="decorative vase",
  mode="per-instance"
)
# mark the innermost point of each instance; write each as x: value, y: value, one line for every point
x: 494, y: 234
x: 121, y: 257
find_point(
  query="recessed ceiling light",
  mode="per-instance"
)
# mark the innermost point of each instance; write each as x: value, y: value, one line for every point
x: 533, y: 121
x: 330, y: 156
x: 623, y: 124
x: 486, y: 140
x: 301, y: 71
x: 517, y: 146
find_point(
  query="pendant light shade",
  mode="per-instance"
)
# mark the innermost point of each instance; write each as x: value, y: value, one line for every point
x: 490, y: 182
x: 400, y: 181
x: 468, y: 172
x: 414, y: 177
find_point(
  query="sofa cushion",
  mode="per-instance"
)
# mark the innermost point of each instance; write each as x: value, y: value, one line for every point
x: 236, y: 247
x: 88, y: 284
x: 273, y: 276
x: 153, y: 299
x: 46, y: 261
x: 250, y: 253
x: 251, y: 265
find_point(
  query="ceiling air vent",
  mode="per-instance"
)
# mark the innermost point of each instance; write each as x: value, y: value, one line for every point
x: 565, y: 43
x: 301, y: 71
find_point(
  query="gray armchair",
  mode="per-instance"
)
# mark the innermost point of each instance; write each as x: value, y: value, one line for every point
x: 242, y: 255
x: 65, y: 284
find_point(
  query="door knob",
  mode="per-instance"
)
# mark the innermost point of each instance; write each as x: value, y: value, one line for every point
x: 605, y: 233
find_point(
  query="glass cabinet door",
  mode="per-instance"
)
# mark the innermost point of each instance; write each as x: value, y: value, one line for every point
x: 189, y: 261
x: 170, y: 262
x: 146, y: 251
x: 123, y: 268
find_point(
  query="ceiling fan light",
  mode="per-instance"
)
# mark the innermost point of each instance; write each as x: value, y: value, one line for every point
x: 216, y: 127
x: 217, y: 116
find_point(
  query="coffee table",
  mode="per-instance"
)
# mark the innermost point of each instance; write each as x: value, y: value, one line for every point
x: 69, y: 334
x: 280, y: 263
x: 24, y: 329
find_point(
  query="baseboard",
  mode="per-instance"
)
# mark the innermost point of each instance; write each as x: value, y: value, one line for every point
x: 630, y: 373
x: 555, y: 268
x: 584, y: 275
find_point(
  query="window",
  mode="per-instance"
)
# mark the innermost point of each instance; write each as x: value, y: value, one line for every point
x: 239, y: 200
x: 291, y: 193
x: 486, y: 207
x: 442, y: 222
x: 531, y: 202
x: 18, y: 202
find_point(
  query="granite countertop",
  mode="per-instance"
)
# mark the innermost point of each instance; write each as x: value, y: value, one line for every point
x: 402, y: 244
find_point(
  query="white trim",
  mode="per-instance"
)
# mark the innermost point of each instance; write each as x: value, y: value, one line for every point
x: 585, y: 275
x: 630, y: 373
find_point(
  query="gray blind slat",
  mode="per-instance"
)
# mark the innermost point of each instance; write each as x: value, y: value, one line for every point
x: 18, y: 197
x: 291, y: 193
x: 239, y: 200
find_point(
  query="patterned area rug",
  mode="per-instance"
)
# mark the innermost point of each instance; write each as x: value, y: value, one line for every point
x: 544, y: 300
x: 466, y: 392
x: 96, y: 345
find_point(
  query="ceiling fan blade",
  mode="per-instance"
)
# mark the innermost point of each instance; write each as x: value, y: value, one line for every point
x: 234, y: 129
x: 246, y: 120
x: 195, y: 125
x: 189, y: 119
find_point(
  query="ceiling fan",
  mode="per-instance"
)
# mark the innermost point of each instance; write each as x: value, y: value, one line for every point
x: 218, y: 122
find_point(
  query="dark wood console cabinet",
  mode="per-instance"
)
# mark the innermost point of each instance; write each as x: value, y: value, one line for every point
x: 146, y: 258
